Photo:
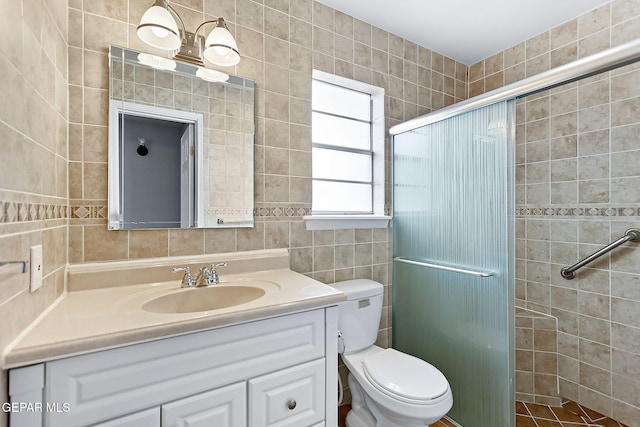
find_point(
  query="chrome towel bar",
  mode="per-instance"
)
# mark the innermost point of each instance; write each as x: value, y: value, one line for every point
x: 444, y: 267
x: 631, y: 235
x: 24, y: 264
x: 5, y: 271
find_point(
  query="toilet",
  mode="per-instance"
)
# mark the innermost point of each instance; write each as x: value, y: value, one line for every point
x: 388, y: 388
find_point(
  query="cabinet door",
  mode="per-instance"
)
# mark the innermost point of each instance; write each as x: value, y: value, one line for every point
x: 148, y: 418
x: 222, y: 407
x: 292, y: 397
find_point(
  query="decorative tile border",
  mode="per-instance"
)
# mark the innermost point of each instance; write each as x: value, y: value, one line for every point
x: 629, y: 211
x: 101, y: 212
x: 12, y: 212
x: 281, y: 211
x: 89, y: 212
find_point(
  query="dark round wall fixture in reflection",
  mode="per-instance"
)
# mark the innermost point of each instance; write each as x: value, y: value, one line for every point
x: 142, y: 150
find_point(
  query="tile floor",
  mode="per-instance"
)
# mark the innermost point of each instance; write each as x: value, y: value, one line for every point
x: 570, y: 414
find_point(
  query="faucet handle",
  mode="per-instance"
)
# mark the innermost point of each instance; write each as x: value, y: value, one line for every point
x: 215, y: 279
x: 219, y: 264
x: 205, y: 277
x: 187, y: 280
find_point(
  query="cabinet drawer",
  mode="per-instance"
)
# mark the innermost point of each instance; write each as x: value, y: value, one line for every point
x: 148, y: 418
x: 293, y: 397
x: 223, y: 407
x: 111, y: 383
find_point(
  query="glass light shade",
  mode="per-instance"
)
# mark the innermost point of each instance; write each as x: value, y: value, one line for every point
x: 158, y: 29
x: 156, y: 62
x: 221, y: 48
x: 211, y: 75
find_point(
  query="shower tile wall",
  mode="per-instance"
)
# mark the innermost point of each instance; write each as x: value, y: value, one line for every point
x: 578, y: 188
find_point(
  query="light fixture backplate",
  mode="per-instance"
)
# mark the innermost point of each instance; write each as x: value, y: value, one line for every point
x: 191, y: 48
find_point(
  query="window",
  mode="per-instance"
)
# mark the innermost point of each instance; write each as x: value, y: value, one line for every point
x: 347, y: 148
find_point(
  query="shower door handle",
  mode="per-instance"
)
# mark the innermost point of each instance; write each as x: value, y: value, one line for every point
x: 445, y: 267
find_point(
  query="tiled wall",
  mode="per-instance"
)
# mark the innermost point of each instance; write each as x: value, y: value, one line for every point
x: 578, y: 188
x: 33, y: 164
x: 536, y: 358
x: 281, y: 42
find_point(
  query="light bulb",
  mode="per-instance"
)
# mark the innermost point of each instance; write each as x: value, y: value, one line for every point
x: 158, y: 29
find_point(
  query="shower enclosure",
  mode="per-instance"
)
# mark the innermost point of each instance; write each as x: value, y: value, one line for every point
x: 453, y: 229
x: 453, y: 257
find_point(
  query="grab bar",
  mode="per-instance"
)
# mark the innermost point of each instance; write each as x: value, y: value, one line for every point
x: 444, y: 267
x: 631, y: 235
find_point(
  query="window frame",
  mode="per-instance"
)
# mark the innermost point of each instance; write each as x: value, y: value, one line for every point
x: 375, y: 218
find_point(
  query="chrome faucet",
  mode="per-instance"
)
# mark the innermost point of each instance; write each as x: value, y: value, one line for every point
x: 209, y: 276
x: 188, y: 280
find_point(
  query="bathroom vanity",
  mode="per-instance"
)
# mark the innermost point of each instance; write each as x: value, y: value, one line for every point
x: 268, y: 362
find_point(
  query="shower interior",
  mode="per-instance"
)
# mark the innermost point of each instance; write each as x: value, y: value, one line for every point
x: 577, y: 153
x: 576, y: 190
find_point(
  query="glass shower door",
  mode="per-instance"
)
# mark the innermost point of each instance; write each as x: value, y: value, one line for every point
x: 453, y: 271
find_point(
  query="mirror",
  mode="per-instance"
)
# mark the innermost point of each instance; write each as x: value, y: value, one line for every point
x: 181, y: 144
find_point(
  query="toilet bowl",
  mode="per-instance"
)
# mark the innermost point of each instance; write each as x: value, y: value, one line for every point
x: 389, y: 388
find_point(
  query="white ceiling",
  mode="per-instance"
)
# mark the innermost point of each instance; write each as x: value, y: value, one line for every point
x: 465, y: 30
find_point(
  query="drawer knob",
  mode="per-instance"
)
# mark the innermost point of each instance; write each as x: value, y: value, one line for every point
x: 291, y: 404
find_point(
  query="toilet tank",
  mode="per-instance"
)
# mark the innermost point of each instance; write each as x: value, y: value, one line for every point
x: 359, y: 316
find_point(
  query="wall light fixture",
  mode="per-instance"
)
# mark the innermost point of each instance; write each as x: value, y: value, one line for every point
x: 159, y: 29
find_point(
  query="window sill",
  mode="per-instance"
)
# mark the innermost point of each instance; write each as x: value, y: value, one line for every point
x: 341, y: 222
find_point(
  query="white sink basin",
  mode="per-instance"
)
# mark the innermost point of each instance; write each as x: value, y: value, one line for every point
x: 214, y: 297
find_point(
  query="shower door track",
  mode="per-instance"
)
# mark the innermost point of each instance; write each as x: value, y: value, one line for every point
x: 606, y: 60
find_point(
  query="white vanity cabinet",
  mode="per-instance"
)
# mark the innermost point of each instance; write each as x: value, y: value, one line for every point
x: 148, y: 418
x: 280, y: 371
x: 224, y: 407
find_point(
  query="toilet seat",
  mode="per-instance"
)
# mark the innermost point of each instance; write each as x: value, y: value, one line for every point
x: 404, y: 377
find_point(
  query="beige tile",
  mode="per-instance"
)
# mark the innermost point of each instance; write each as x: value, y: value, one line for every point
x: 302, y: 260
x: 276, y: 235
x: 380, y: 41
x: 302, y: 9
x: 594, y: 43
x: 100, y: 32
x: 186, y: 242
x: 101, y: 244
x: 148, y: 243
x: 537, y: 45
x: 114, y: 10
x: 594, y: 21
x: 95, y: 181
x: 323, y: 258
x: 625, y: 32
x: 596, y: 354
x: 276, y: 24
x: 219, y: 240
x: 251, y: 238
x: 595, y: 378
x: 564, y: 34
x: 598, y: 330
x: 96, y: 106
x: 300, y: 190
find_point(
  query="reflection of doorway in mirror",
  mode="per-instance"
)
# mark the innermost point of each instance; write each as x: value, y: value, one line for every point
x: 159, y: 189
x: 156, y: 193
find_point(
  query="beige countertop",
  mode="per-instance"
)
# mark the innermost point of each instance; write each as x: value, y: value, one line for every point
x: 90, y: 318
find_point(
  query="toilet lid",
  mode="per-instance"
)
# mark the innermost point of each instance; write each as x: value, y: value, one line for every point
x: 404, y: 376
